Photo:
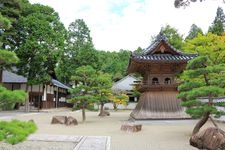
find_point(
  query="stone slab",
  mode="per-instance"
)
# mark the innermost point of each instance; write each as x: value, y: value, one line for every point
x: 94, y: 143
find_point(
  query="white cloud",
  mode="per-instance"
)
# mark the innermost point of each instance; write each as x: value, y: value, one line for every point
x: 127, y: 24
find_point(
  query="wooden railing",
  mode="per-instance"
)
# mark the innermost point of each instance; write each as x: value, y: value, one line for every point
x: 144, y: 86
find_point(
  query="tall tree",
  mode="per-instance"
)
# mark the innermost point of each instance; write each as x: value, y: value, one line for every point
x: 194, y: 31
x: 218, y: 24
x: 174, y: 38
x: 204, y: 77
x: 41, y: 41
x: 38, y: 42
x: 79, y: 50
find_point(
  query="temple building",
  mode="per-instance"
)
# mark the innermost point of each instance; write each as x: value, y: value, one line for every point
x: 49, y: 95
x: 159, y: 64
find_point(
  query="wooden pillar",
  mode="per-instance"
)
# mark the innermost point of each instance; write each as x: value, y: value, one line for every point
x: 46, y: 97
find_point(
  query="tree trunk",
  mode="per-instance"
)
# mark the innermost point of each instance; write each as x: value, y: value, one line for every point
x: 83, y: 114
x: 101, y: 109
x: 39, y: 97
x: 114, y: 106
x: 201, y: 123
x: 27, y: 100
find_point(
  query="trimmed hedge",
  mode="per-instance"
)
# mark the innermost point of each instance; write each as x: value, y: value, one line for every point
x: 16, y: 131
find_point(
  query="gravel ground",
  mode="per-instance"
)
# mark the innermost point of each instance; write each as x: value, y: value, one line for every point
x: 155, y: 135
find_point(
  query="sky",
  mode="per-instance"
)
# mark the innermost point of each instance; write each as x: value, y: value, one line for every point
x: 128, y: 24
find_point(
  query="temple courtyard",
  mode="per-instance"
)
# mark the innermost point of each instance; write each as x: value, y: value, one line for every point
x: 155, y: 134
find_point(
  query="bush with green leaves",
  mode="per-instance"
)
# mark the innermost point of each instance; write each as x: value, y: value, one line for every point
x: 9, y: 98
x: 16, y: 131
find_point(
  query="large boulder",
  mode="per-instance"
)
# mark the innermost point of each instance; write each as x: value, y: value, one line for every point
x: 209, y: 139
x: 71, y: 121
x: 59, y: 120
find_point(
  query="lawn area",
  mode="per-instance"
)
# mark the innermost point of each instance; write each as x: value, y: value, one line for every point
x: 155, y: 135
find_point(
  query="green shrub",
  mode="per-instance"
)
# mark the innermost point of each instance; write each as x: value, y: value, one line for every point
x: 8, y: 98
x: 16, y: 131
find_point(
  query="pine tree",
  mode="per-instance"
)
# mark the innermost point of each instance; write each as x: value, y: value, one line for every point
x: 202, y: 80
x: 83, y: 90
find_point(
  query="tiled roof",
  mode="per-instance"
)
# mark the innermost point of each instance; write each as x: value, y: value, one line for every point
x: 9, y: 77
x: 166, y: 57
x: 59, y: 84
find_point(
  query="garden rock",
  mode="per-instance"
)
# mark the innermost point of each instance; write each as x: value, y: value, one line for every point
x: 209, y: 139
x: 71, y: 121
x: 59, y: 120
x: 131, y: 127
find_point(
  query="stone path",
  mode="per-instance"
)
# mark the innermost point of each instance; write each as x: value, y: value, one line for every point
x: 80, y: 142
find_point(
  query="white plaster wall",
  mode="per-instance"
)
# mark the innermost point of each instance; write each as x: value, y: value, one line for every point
x: 124, y: 84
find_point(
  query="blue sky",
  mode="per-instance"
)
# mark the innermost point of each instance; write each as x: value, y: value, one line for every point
x: 127, y: 24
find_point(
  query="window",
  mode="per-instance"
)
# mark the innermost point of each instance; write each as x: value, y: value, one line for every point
x: 167, y: 81
x: 155, y: 81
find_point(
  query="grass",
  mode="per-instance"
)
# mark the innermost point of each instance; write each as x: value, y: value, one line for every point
x: 16, y: 131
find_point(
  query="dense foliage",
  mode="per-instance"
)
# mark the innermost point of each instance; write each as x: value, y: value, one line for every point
x: 16, y: 131
x: 114, y: 63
